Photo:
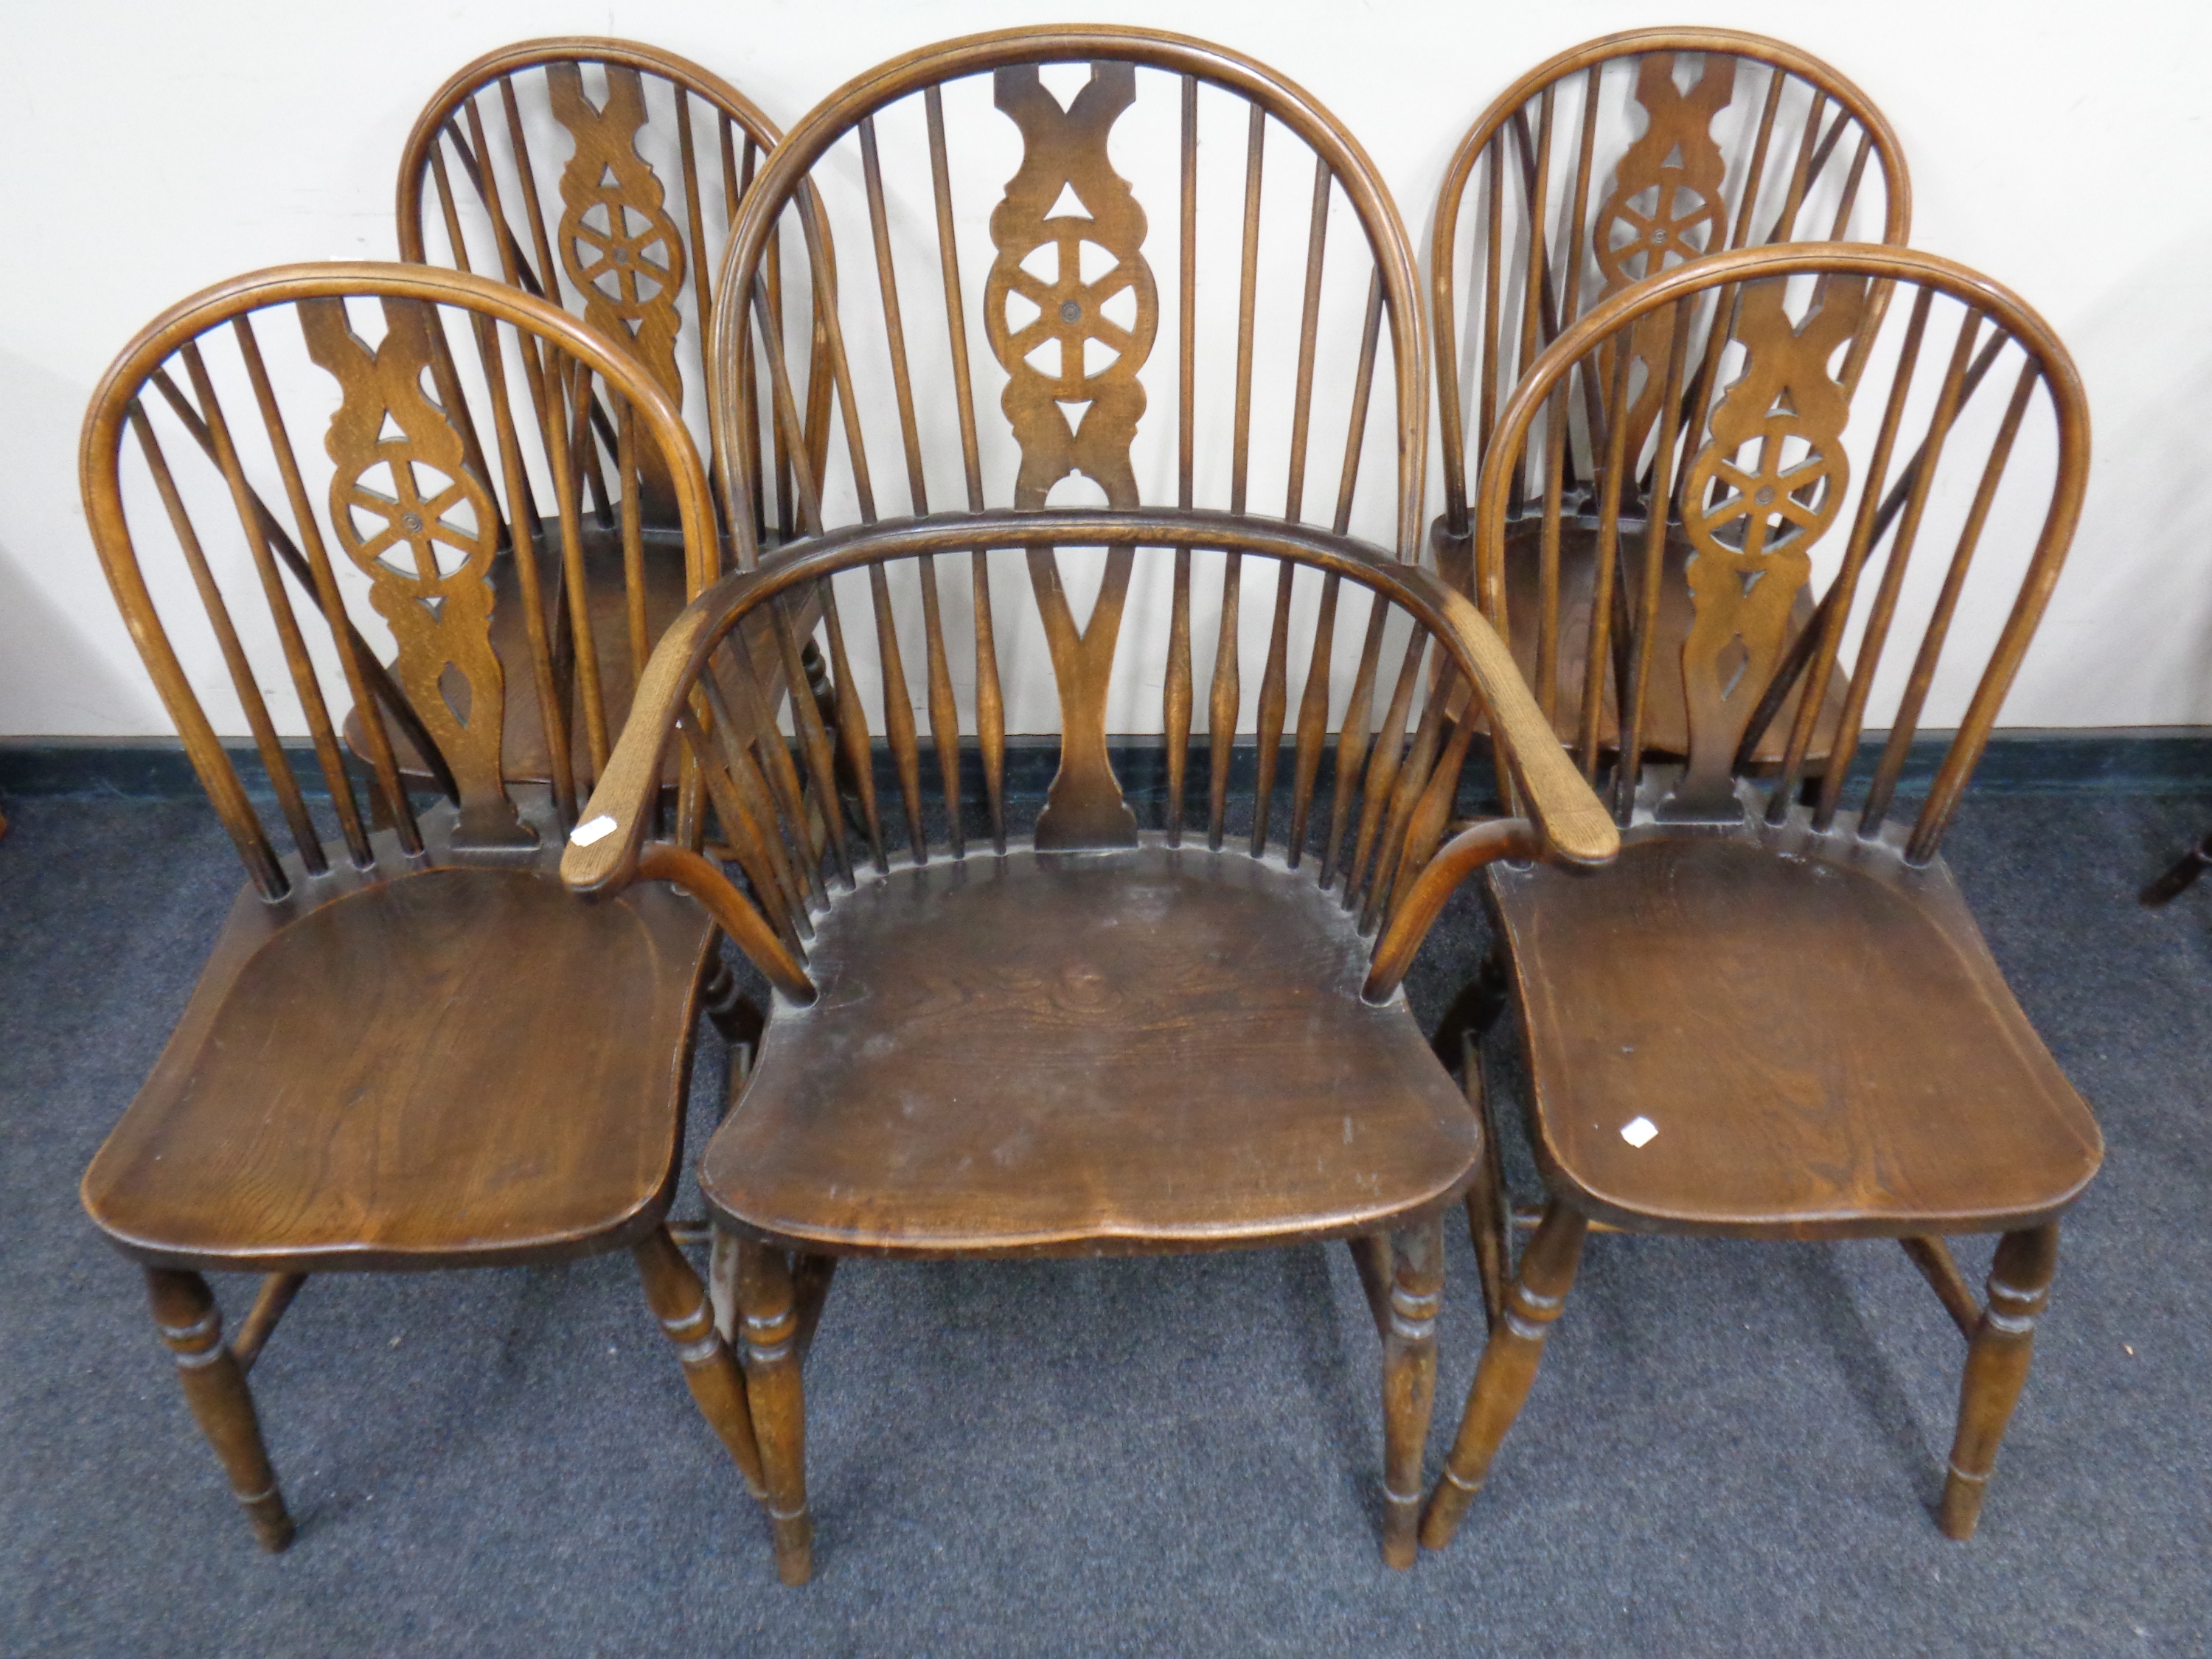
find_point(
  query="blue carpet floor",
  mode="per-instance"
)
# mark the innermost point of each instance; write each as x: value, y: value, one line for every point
x: 1732, y: 1449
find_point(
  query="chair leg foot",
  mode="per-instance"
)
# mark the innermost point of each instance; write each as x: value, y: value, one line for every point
x: 1507, y: 1367
x: 794, y: 1547
x: 1996, y: 1367
x: 1409, y: 1381
x: 215, y: 1388
x: 770, y: 1344
x: 687, y: 1318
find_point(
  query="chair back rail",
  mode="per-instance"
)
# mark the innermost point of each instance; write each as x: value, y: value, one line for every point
x: 1817, y: 352
x: 213, y: 489
x: 1610, y: 162
x: 550, y: 164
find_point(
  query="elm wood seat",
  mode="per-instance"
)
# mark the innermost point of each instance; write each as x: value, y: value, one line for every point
x: 411, y: 1047
x: 1906, y: 1094
x: 1774, y: 1017
x: 1067, y: 1053
x: 526, y: 754
x: 1629, y: 172
x: 355, y: 1083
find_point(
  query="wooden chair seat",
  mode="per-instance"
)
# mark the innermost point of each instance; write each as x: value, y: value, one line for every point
x: 1824, y: 1050
x: 1071, y: 1054
x: 459, y: 1065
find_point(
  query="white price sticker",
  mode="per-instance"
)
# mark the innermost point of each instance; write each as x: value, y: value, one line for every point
x: 592, y: 829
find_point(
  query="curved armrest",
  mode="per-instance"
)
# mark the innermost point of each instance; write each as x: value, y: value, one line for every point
x: 1454, y: 861
x: 732, y: 913
x: 1566, y: 822
x: 603, y: 850
x: 607, y: 850
x: 1575, y: 827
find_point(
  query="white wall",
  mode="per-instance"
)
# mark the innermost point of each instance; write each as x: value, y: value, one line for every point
x: 152, y: 149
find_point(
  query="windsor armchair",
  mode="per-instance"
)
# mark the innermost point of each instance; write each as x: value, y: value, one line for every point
x: 1774, y: 1017
x: 598, y: 129
x: 1630, y: 154
x: 1106, y: 1035
x: 411, y: 1048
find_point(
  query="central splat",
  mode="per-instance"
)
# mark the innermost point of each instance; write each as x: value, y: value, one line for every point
x: 1072, y: 397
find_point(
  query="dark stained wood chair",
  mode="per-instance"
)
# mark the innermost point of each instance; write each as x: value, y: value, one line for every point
x: 411, y: 1047
x: 603, y: 175
x: 1633, y: 153
x: 1774, y: 1017
x: 1113, y: 1035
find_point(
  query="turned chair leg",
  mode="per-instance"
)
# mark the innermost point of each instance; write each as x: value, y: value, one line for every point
x: 1409, y: 1381
x: 1475, y: 1009
x: 688, y: 1318
x: 770, y: 1344
x: 1508, y: 1366
x: 734, y: 1014
x: 1996, y: 1366
x: 1489, y: 1210
x: 215, y: 1388
x: 722, y: 1248
x: 1458, y: 1041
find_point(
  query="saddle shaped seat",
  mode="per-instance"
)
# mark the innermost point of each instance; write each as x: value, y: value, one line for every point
x: 1729, y: 997
x: 358, y: 1081
x: 1085, y: 1052
x: 525, y: 748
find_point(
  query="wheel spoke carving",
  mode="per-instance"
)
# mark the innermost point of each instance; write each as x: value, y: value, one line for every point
x: 440, y: 608
x: 1065, y: 149
x: 1752, y: 526
x: 607, y: 172
x: 1679, y: 169
x: 644, y: 266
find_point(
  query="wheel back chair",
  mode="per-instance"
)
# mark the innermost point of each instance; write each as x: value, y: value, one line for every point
x: 1104, y: 1036
x: 1773, y: 1016
x: 411, y: 1047
x: 1618, y: 159
x: 598, y: 129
